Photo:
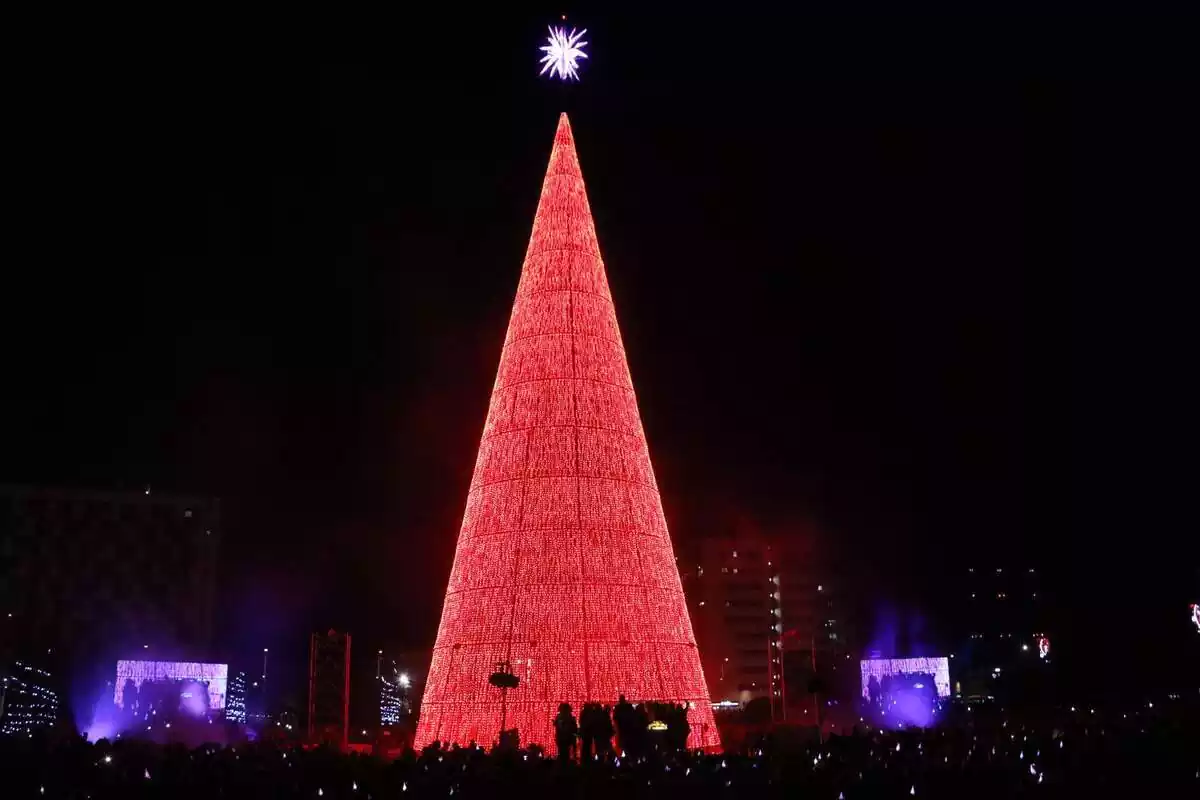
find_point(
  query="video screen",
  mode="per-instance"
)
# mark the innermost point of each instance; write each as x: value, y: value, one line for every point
x: 193, y: 685
x: 878, y: 674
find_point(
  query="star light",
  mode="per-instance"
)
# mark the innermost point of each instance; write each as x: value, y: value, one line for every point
x: 563, y: 52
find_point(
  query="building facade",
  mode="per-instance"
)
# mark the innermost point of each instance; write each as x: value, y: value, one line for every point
x: 395, y: 704
x: 1004, y: 630
x: 766, y: 621
x: 28, y: 701
x: 100, y: 574
x: 235, y: 698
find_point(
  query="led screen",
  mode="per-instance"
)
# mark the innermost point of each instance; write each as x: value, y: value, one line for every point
x: 879, y: 668
x: 195, y: 673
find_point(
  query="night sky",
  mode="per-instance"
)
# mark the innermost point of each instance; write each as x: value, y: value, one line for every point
x: 277, y: 269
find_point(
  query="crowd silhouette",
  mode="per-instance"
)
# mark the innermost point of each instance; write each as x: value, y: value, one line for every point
x: 977, y: 754
x: 640, y: 728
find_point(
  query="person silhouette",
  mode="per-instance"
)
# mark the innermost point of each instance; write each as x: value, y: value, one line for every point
x: 565, y: 729
x: 623, y: 716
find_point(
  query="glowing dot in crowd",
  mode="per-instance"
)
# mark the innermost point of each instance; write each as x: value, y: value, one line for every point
x: 1195, y: 615
x: 562, y: 53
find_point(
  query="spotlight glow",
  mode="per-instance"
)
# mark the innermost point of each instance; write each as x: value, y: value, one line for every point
x: 562, y: 53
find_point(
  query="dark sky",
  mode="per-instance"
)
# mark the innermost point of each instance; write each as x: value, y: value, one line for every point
x: 276, y: 267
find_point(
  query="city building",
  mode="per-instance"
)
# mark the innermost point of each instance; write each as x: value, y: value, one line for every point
x: 563, y: 505
x: 329, y: 689
x: 27, y: 700
x: 394, y: 686
x: 95, y: 575
x: 1002, y: 626
x: 235, y: 698
x: 766, y: 620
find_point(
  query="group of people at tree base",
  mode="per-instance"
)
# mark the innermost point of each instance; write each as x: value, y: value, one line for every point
x: 640, y: 728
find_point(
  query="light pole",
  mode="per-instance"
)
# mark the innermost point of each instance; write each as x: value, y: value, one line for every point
x: 264, y: 684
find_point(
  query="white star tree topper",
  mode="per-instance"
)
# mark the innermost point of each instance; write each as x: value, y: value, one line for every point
x: 563, y: 52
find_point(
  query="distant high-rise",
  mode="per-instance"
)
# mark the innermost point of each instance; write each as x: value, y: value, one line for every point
x: 763, y: 607
x: 564, y: 574
x: 235, y: 698
x: 97, y: 575
x: 28, y: 702
x: 1003, y: 625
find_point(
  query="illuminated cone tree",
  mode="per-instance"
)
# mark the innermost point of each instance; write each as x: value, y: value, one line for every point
x: 564, y: 568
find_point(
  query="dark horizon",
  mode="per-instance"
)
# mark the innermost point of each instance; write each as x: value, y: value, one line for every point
x: 281, y: 277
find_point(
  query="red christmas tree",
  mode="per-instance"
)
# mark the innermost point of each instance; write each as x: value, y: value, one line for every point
x: 564, y: 570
